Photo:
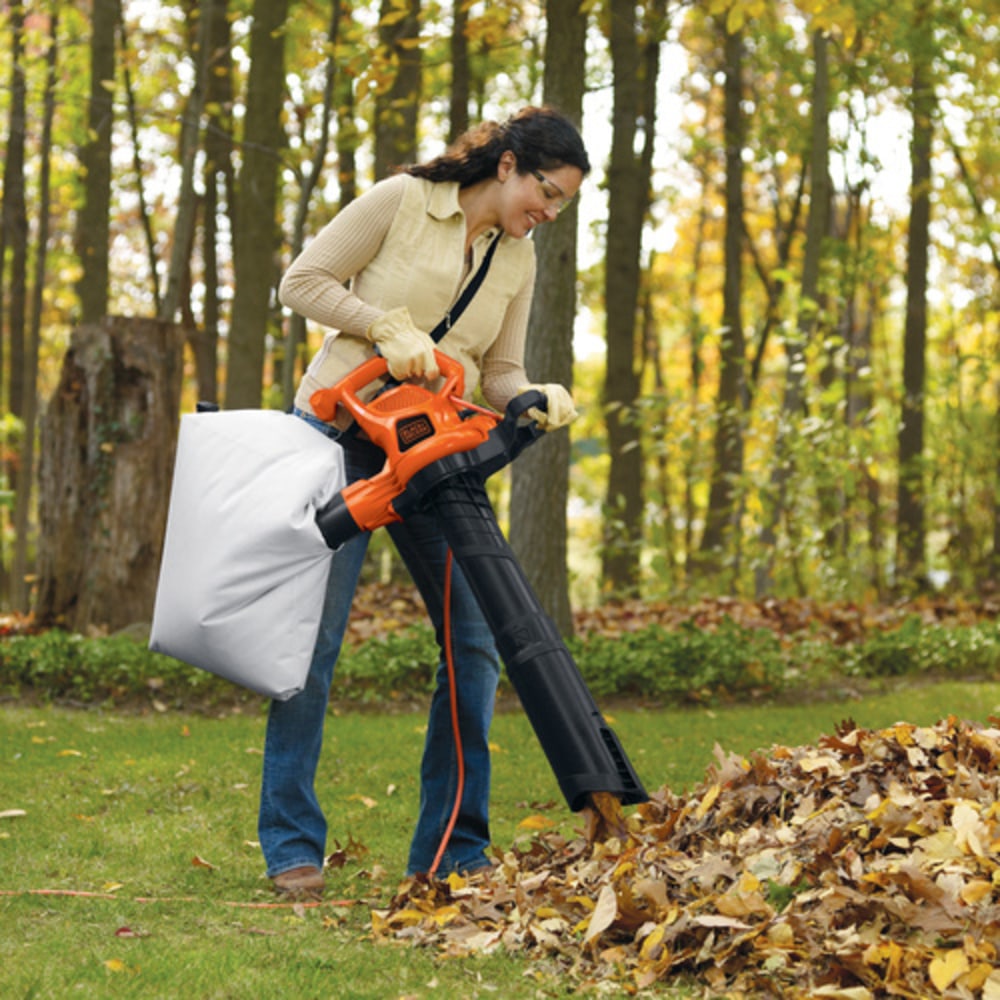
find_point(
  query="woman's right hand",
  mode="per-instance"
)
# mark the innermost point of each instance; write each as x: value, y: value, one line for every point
x: 408, y: 351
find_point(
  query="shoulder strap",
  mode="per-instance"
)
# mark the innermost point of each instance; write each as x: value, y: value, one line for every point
x: 451, y: 316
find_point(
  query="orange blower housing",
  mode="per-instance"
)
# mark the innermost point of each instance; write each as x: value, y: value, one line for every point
x: 419, y: 430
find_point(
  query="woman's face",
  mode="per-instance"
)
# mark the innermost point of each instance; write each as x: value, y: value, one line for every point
x: 528, y: 199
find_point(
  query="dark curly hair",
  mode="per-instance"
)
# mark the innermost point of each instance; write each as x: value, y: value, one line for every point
x: 541, y: 138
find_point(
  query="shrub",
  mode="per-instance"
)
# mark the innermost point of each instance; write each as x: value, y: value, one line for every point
x: 62, y: 665
x: 689, y: 664
x: 391, y: 667
x: 918, y: 649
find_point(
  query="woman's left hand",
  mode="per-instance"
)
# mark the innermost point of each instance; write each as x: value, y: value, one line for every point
x: 561, y: 409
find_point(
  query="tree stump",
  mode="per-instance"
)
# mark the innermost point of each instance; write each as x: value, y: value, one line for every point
x: 108, y: 438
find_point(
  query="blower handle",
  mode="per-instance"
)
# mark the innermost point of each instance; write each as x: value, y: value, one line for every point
x: 517, y: 433
x: 345, y: 393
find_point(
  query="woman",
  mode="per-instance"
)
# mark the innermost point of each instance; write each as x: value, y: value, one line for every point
x: 379, y: 276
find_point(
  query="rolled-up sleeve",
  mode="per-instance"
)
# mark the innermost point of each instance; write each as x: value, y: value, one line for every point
x: 317, y: 284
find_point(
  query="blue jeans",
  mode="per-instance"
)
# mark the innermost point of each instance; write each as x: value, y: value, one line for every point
x: 291, y: 824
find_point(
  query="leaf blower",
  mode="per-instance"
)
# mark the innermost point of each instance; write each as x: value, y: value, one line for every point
x: 439, y: 452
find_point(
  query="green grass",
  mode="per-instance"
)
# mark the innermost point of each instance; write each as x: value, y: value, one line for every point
x: 119, y: 806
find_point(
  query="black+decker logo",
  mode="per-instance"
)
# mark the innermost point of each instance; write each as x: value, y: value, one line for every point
x: 413, y: 430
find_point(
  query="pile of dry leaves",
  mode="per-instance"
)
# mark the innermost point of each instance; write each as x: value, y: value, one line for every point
x: 865, y: 866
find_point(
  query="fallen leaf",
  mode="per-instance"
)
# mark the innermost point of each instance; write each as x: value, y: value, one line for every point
x: 12, y: 813
x: 604, y: 913
x: 366, y: 800
x: 969, y: 828
x: 842, y: 993
x: 536, y: 822
x: 707, y: 801
x: 199, y: 862
x: 976, y: 891
x: 944, y: 970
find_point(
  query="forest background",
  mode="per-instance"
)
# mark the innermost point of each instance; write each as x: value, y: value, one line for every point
x: 786, y: 258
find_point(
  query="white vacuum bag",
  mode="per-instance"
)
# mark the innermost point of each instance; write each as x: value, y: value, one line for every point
x: 244, y: 567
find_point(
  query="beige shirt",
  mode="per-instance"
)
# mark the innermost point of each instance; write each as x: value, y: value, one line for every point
x: 402, y: 243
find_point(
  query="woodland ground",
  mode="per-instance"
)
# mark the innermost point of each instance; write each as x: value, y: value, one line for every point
x: 381, y: 607
x: 129, y: 867
x: 129, y: 864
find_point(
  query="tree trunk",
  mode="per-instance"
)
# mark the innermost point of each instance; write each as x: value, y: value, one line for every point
x: 397, y: 103
x: 817, y: 230
x: 145, y: 215
x: 993, y: 569
x: 15, y: 218
x: 720, y: 518
x: 347, y: 135
x: 256, y: 232
x: 296, y: 332
x: 13, y: 235
x: 23, y: 533
x: 94, y: 219
x: 540, y: 477
x: 178, y: 277
x: 107, y: 449
x: 635, y: 69
x: 219, y: 185
x: 696, y: 329
x: 663, y: 446
x: 910, y: 527
x: 461, y: 79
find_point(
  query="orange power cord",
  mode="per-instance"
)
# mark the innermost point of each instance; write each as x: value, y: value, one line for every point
x: 456, y: 729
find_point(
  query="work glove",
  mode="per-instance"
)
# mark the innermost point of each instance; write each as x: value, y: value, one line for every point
x: 561, y: 410
x: 408, y: 351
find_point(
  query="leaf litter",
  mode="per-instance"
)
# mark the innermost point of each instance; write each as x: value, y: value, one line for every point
x: 867, y: 865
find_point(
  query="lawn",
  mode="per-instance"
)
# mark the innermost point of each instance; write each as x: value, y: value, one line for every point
x: 130, y: 865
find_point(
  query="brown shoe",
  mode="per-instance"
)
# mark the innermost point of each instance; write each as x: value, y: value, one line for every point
x: 302, y: 883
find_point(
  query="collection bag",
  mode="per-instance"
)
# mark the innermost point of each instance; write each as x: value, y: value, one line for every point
x: 244, y: 568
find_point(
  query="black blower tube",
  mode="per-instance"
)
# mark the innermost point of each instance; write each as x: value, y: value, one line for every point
x: 582, y: 749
